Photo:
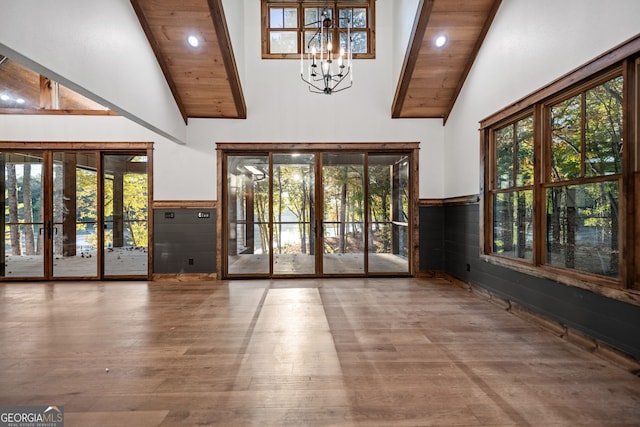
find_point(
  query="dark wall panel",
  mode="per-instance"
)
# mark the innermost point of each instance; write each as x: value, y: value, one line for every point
x: 610, y: 321
x: 184, y: 241
x: 431, y: 238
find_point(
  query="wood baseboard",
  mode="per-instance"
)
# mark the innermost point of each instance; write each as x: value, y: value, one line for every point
x: 184, y: 277
x: 450, y: 201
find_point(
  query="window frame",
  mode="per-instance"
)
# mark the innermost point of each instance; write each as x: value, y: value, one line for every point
x: 623, y: 60
x: 547, y: 181
x: 494, y: 189
x: 301, y: 5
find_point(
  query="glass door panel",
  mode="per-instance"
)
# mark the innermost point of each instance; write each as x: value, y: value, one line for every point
x: 275, y: 226
x: 343, y: 213
x: 126, y: 213
x: 388, y: 213
x: 248, y: 219
x: 22, y: 254
x: 293, y: 214
x: 75, y: 214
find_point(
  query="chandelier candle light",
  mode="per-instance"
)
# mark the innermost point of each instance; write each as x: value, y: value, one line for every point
x: 323, y: 76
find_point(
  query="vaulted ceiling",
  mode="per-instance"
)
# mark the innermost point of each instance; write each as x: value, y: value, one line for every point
x: 205, y: 83
x: 432, y: 76
x: 204, y: 79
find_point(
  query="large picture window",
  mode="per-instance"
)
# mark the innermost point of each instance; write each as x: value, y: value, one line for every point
x: 283, y: 22
x: 560, y: 180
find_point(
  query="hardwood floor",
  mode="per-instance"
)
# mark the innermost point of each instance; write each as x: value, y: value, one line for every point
x: 357, y: 352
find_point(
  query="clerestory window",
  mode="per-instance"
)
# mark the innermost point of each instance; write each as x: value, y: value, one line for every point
x: 285, y: 22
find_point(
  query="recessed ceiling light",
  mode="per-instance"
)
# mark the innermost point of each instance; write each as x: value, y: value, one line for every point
x: 5, y: 97
x: 20, y: 101
x: 441, y: 40
x: 193, y: 41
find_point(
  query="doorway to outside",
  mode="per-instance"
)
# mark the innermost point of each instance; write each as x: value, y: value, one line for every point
x: 74, y: 213
x: 318, y: 210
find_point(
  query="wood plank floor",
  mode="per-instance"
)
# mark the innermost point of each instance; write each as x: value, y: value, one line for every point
x: 357, y: 352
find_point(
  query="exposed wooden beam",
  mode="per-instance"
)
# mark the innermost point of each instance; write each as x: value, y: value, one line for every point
x: 417, y: 34
x: 159, y: 57
x: 47, y: 95
x: 224, y: 42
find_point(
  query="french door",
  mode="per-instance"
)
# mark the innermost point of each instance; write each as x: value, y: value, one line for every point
x: 316, y: 213
x: 59, y: 209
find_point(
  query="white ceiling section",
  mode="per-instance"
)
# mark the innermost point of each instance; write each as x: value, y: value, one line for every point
x: 100, y: 52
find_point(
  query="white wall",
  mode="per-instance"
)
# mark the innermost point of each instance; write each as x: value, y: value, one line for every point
x: 530, y: 44
x: 45, y: 128
x: 234, y: 14
x: 279, y: 106
x: 96, y: 48
x: 404, y: 16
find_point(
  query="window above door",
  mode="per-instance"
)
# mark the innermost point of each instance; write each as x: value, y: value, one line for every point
x: 283, y: 22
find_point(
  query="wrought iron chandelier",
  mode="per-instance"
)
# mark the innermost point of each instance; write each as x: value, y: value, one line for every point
x: 325, y: 71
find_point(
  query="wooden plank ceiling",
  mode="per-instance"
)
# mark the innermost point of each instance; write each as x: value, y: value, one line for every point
x: 432, y: 77
x: 204, y: 80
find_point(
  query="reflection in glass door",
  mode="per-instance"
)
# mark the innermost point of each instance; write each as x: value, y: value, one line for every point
x: 22, y: 254
x: 343, y: 213
x: 388, y: 213
x: 248, y: 207
x: 126, y: 213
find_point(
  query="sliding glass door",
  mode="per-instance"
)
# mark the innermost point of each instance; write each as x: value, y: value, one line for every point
x: 22, y: 180
x: 126, y: 213
x: 248, y: 218
x: 74, y: 233
x: 343, y: 232
x: 276, y: 226
x: 56, y: 225
x: 293, y: 193
x: 388, y: 213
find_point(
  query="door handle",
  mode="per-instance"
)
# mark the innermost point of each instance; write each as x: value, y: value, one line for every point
x: 46, y: 228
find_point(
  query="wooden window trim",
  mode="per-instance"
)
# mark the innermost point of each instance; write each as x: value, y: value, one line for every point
x: 622, y: 60
x: 301, y: 5
x: 632, y: 178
